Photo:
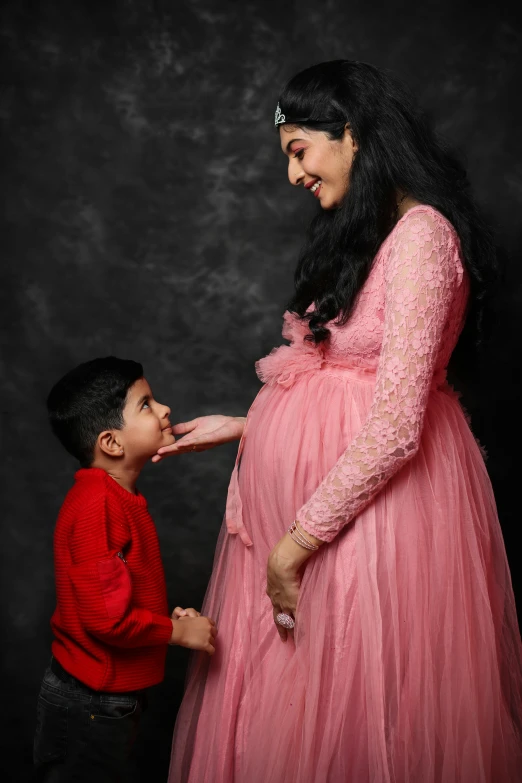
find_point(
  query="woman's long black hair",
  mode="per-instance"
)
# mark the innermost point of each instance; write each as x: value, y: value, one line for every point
x: 397, y: 151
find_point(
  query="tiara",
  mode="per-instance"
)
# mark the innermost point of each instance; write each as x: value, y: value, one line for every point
x: 279, y: 117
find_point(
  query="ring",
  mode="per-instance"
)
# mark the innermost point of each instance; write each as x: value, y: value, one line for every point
x: 285, y: 620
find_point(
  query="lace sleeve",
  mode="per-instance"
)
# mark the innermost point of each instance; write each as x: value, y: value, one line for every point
x: 421, y: 274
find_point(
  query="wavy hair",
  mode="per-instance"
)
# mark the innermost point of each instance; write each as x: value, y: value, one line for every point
x: 397, y: 151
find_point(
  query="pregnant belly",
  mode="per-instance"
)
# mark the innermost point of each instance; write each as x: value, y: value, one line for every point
x: 293, y: 437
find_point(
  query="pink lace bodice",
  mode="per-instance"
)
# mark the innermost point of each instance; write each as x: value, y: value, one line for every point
x: 403, y: 330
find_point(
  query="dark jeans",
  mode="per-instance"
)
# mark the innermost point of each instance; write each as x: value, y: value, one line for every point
x: 82, y: 734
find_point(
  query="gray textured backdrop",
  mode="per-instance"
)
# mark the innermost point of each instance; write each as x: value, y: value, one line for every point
x: 147, y: 214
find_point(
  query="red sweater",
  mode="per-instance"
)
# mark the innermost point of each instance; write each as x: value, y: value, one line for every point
x: 111, y: 624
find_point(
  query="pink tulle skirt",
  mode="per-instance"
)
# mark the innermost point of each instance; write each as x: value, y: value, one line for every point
x: 405, y: 665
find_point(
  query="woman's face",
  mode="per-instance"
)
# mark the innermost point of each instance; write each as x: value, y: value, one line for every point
x: 321, y: 165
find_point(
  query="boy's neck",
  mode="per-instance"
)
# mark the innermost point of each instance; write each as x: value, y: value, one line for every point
x: 125, y: 475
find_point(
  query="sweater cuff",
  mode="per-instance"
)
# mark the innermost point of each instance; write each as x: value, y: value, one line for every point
x: 161, y: 630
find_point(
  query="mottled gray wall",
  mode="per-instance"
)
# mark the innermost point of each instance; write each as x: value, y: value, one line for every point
x: 147, y: 214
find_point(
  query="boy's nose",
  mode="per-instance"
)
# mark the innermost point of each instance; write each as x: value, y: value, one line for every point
x: 163, y: 411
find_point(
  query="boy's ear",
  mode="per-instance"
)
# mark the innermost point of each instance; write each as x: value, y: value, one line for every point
x: 109, y: 444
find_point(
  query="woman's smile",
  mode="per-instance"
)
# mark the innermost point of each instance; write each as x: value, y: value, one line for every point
x: 314, y: 186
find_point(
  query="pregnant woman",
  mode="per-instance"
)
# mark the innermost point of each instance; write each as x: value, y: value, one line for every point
x: 382, y: 646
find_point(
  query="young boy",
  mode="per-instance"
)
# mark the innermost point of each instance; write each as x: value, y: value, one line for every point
x: 111, y: 625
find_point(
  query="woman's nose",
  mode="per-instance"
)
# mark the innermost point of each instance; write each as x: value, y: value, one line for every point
x: 295, y: 173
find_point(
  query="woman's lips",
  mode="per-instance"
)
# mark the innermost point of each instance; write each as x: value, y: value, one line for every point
x: 314, y: 186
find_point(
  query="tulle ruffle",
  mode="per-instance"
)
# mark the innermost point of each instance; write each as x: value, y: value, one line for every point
x: 286, y: 363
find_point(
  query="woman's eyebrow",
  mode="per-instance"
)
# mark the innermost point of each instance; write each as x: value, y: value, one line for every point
x: 290, y: 144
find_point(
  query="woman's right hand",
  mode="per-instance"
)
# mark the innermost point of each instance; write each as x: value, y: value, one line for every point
x: 202, y: 434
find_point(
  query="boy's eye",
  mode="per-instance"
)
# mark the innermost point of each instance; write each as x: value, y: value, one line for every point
x: 145, y: 405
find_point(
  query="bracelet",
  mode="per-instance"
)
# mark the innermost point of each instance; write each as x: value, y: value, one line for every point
x: 304, y: 535
x: 300, y: 538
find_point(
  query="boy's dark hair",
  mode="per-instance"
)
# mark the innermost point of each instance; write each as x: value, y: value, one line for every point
x: 89, y: 400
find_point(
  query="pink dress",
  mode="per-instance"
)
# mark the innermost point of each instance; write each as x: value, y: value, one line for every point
x: 406, y: 661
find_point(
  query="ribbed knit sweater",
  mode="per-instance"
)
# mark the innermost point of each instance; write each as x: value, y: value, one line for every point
x: 111, y: 624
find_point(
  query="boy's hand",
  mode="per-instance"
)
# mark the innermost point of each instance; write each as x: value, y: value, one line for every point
x: 196, y: 633
x: 179, y: 612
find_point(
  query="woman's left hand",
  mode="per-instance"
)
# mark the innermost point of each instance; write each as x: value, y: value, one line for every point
x: 283, y: 578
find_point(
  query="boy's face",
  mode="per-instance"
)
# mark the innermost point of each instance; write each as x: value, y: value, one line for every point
x: 147, y: 426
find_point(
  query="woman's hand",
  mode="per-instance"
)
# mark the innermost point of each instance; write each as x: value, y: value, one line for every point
x: 202, y: 434
x: 283, y: 578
